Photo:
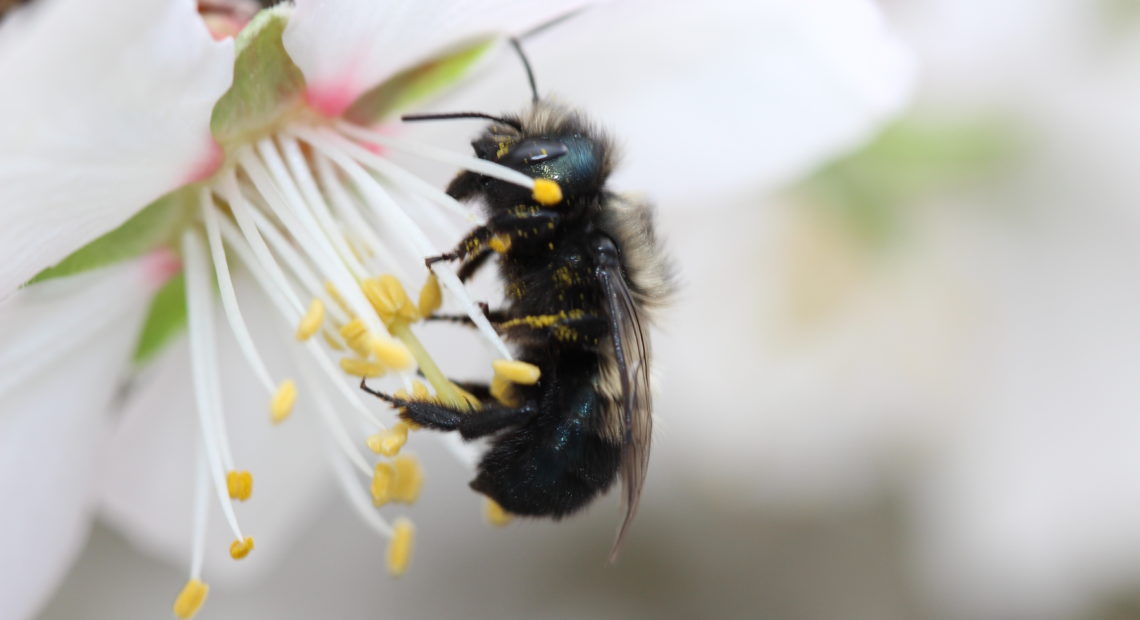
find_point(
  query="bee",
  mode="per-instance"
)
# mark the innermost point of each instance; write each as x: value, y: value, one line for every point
x: 581, y: 278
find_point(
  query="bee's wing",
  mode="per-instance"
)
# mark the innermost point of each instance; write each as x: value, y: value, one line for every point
x: 631, y: 350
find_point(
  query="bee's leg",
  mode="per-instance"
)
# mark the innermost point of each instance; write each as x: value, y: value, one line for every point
x: 470, y: 423
x: 464, y: 186
x: 494, y: 316
x: 473, y: 264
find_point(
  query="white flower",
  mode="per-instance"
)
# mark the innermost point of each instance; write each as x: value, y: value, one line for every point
x: 102, y: 122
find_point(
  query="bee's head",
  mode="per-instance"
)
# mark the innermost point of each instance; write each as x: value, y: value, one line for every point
x: 574, y: 161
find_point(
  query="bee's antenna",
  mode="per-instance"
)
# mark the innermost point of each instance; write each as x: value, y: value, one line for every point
x: 450, y: 115
x: 526, y: 65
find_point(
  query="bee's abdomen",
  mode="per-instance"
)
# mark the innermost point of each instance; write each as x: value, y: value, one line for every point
x: 553, y: 466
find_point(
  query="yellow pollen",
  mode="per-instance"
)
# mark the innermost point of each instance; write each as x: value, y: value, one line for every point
x: 239, y: 484
x: 400, y: 547
x: 389, y: 299
x: 382, y: 484
x: 501, y: 390
x: 190, y: 599
x: 547, y: 192
x: 241, y: 548
x: 312, y: 320
x: 500, y: 243
x: 516, y: 371
x: 335, y: 295
x: 494, y: 513
x: 431, y: 297
x: 393, y: 354
x: 389, y: 441
x: 409, y: 479
x: 282, y: 404
x: 361, y: 368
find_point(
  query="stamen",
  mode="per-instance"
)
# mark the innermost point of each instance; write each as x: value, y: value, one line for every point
x: 400, y: 548
x: 312, y: 320
x: 190, y: 599
x: 431, y: 297
x: 409, y: 479
x: 381, y: 487
x: 515, y: 371
x: 545, y: 191
x: 203, y: 364
x: 282, y: 404
x: 361, y: 368
x: 360, y: 502
x: 389, y: 441
x: 393, y: 354
x: 241, y: 548
x: 494, y: 513
x: 239, y: 484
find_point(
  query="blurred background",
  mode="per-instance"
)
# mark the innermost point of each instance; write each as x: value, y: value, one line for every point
x: 901, y: 387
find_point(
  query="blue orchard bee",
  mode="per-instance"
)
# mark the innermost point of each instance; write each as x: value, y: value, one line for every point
x: 581, y: 278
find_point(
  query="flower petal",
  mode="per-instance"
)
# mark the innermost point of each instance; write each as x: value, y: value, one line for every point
x: 109, y: 119
x: 706, y: 96
x: 345, y: 48
x: 51, y: 423
x: 147, y: 489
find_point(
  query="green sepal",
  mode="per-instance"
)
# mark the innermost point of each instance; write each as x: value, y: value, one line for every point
x: 415, y: 84
x: 165, y: 318
x: 154, y: 226
x: 266, y: 82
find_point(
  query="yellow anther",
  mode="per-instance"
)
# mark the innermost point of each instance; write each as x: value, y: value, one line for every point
x: 547, y: 192
x: 431, y: 297
x: 409, y: 479
x: 239, y: 484
x: 494, y: 513
x: 400, y: 547
x: 241, y: 548
x: 282, y: 404
x: 393, y: 354
x: 361, y: 368
x: 331, y: 340
x: 420, y: 391
x: 190, y: 599
x: 516, y: 371
x: 335, y: 295
x: 312, y: 320
x: 382, y: 484
x: 356, y: 335
x: 389, y: 299
x: 501, y: 390
x: 389, y: 441
x: 500, y: 243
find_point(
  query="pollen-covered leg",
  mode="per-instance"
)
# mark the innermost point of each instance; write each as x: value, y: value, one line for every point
x: 569, y: 326
x: 500, y: 231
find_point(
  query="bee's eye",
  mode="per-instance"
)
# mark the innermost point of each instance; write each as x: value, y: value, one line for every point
x: 533, y: 151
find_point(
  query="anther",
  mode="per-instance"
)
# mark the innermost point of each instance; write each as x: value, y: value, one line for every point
x: 361, y: 368
x: 239, y: 484
x: 501, y: 390
x: 409, y: 479
x: 431, y: 297
x: 515, y: 371
x: 389, y: 299
x: 547, y: 192
x: 282, y: 404
x: 400, y: 547
x: 312, y: 320
x: 389, y: 441
x: 241, y: 548
x: 355, y: 334
x: 382, y: 478
x: 190, y: 599
x: 494, y: 513
x: 393, y: 354
x: 331, y: 340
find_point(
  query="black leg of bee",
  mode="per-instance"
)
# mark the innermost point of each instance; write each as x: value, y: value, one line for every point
x: 471, y: 423
x: 464, y: 186
x: 494, y: 316
x: 473, y: 264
